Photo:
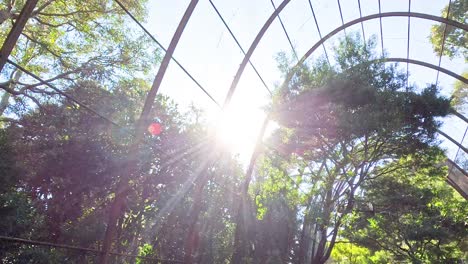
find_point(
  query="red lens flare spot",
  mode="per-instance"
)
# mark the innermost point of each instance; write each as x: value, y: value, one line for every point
x: 155, y: 129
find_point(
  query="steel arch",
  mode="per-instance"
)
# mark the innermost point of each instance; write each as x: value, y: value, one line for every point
x: 424, y: 64
x: 370, y: 17
x: 460, y: 187
x: 320, y: 42
x: 123, y: 185
x: 252, y: 48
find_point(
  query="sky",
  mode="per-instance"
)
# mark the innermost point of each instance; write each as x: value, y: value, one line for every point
x: 210, y: 54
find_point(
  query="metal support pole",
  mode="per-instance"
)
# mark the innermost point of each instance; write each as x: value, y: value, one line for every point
x: 123, y: 185
x: 15, y: 31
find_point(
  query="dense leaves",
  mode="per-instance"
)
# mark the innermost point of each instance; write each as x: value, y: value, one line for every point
x: 343, y: 129
x: 62, y: 154
x: 66, y: 41
x: 352, y: 173
x: 455, y: 38
x: 412, y: 214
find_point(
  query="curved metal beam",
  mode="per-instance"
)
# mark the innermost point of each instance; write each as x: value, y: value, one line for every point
x: 452, y: 163
x: 434, y: 67
x: 252, y: 48
x: 424, y: 64
x: 123, y: 186
x: 370, y: 17
x: 459, y: 115
x: 388, y: 14
x: 458, y: 181
x: 10, y: 41
x: 149, y: 102
x: 452, y: 140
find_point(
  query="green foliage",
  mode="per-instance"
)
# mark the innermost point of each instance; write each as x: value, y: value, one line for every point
x: 460, y: 94
x: 66, y: 41
x: 349, y: 253
x: 340, y: 128
x: 59, y: 153
x: 144, y: 250
x: 350, y: 135
x: 412, y: 213
x: 455, y: 38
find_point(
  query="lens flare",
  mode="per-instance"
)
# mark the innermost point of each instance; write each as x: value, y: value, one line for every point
x: 155, y: 129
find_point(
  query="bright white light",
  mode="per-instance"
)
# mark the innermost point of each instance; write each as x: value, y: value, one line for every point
x: 237, y: 129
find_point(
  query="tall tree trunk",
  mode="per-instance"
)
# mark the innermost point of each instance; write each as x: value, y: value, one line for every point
x: 191, y: 243
x: 17, y: 74
x: 120, y: 224
x: 134, y: 245
x: 5, y: 101
x: 5, y: 14
x: 114, y: 215
x: 241, y: 225
x: 241, y: 238
x: 318, y: 257
x: 10, y: 41
x: 141, y: 126
x: 304, y: 242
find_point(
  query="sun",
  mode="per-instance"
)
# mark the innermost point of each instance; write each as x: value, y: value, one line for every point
x: 237, y: 129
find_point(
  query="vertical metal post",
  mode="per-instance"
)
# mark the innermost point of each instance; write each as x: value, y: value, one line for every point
x: 362, y: 23
x: 381, y: 31
x: 15, y: 31
x: 444, y: 37
x: 123, y: 185
x: 250, y: 51
x: 408, y: 46
x: 318, y: 29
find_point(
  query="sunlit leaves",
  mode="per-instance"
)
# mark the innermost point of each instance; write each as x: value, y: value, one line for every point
x: 68, y: 41
x: 455, y: 38
x: 414, y: 212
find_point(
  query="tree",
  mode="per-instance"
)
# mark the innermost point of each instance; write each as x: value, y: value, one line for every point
x: 455, y: 38
x: 66, y: 41
x: 460, y: 95
x: 412, y: 213
x: 349, y: 253
x: 454, y: 46
x: 60, y: 153
x: 344, y: 126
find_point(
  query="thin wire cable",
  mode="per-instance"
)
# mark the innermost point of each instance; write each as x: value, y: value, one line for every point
x: 341, y: 15
x: 165, y: 50
x: 250, y: 51
x: 362, y: 23
x: 381, y: 30
x: 318, y: 29
x: 239, y: 45
x: 342, y: 22
x: 408, y: 46
x: 458, y: 150
x: 443, y: 41
x: 65, y: 246
x: 285, y: 31
x: 71, y: 98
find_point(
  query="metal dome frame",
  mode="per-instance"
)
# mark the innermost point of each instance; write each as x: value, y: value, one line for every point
x: 19, y: 24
